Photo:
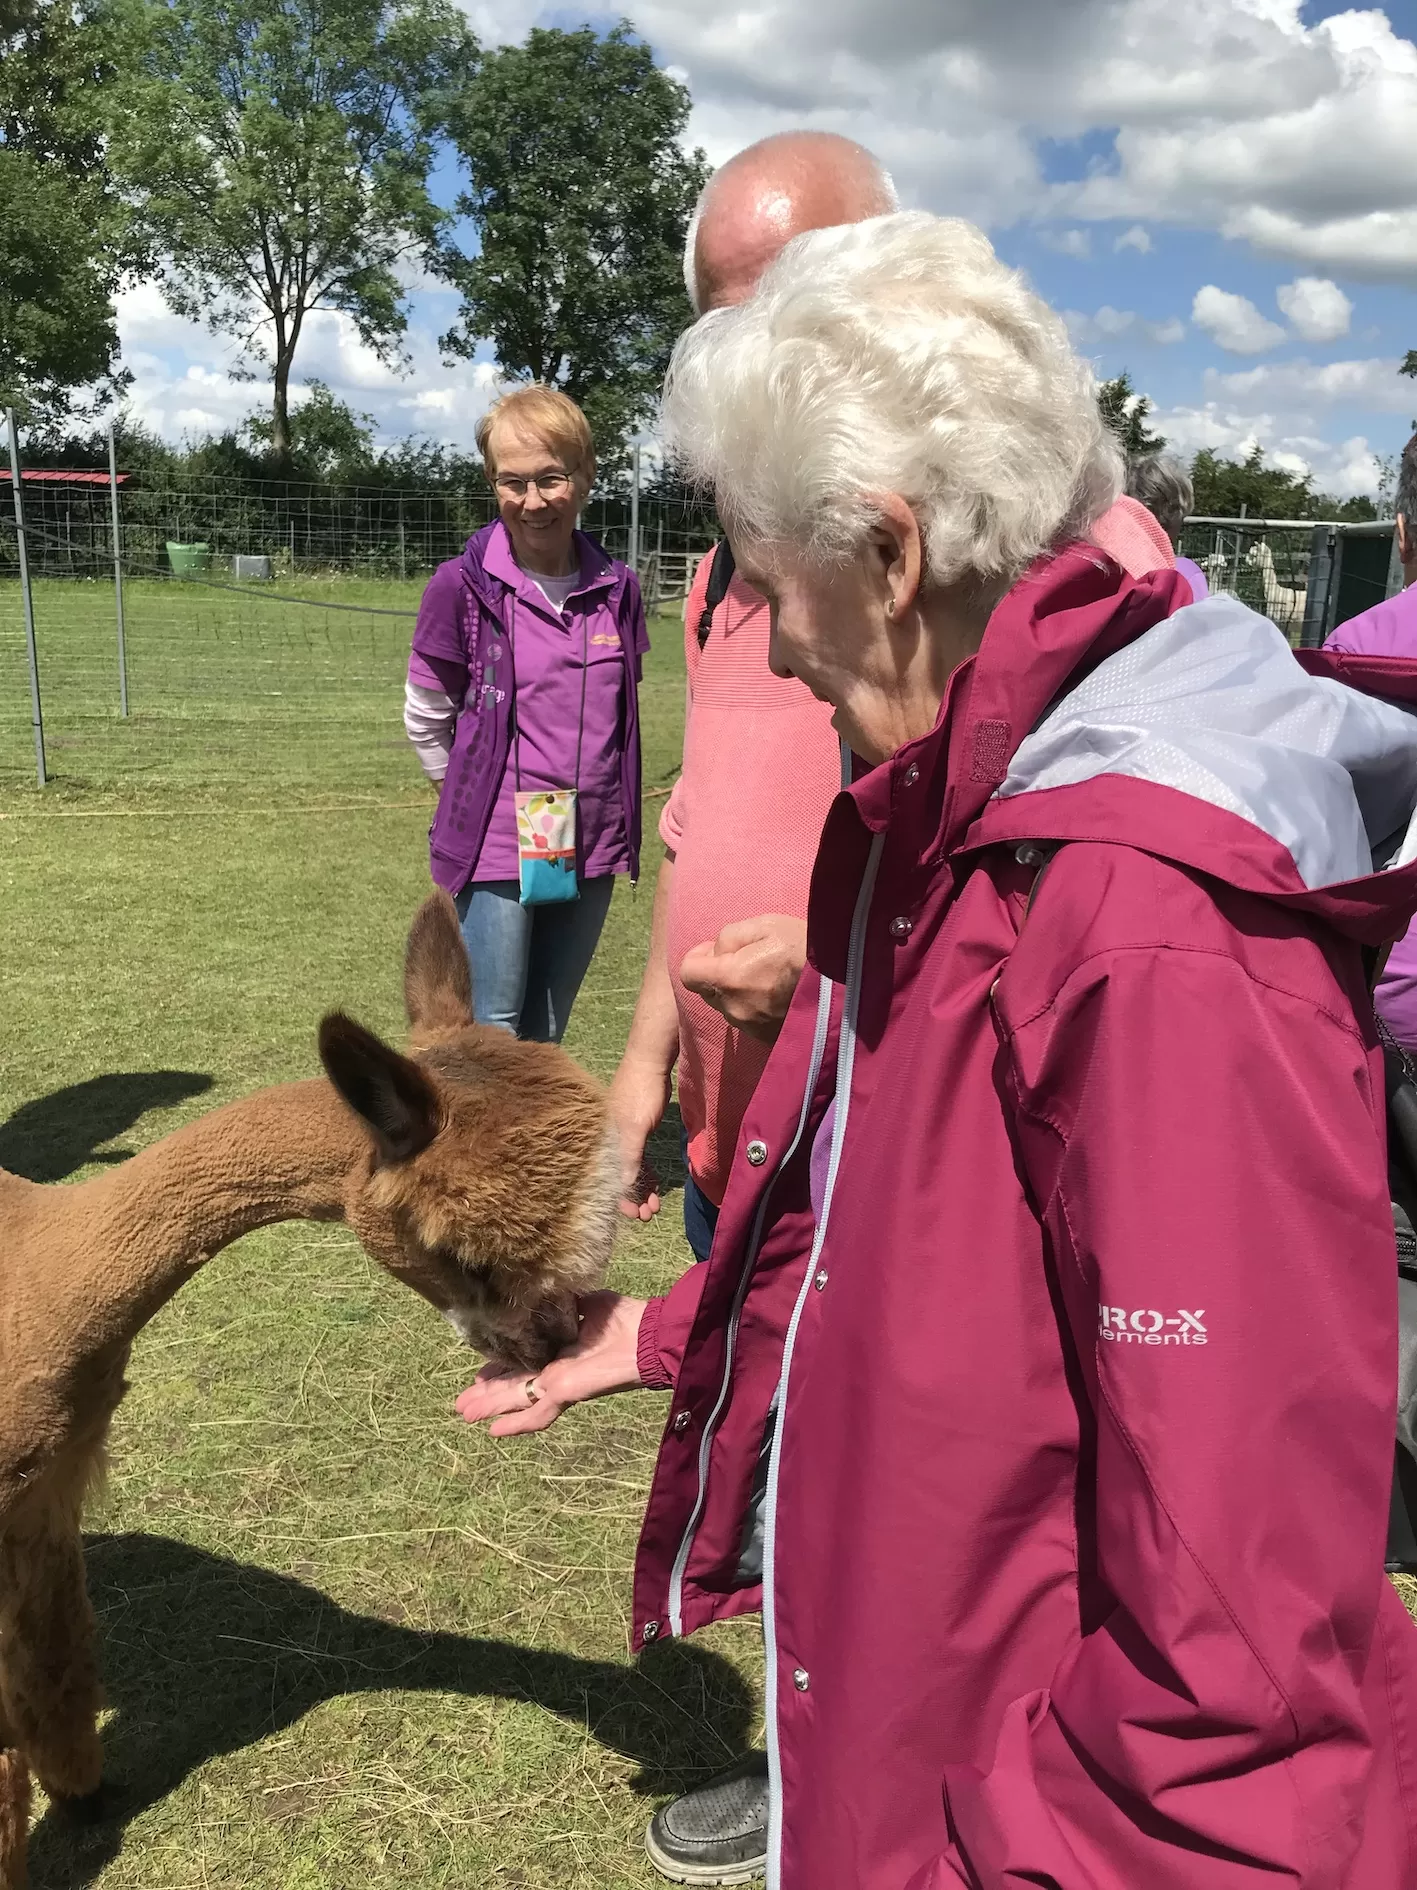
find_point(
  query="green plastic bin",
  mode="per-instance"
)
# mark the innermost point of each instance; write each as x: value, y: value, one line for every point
x: 187, y: 560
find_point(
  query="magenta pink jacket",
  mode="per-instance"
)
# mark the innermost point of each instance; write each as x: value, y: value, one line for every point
x: 1068, y: 1527
x: 1389, y: 629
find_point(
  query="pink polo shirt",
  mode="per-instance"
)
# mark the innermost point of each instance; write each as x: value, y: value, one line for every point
x: 761, y: 767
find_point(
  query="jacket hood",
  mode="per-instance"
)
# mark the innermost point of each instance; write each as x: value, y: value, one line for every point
x: 1210, y: 702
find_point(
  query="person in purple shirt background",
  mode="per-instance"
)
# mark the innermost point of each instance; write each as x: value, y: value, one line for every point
x: 1390, y: 629
x: 524, y: 674
x: 1161, y: 483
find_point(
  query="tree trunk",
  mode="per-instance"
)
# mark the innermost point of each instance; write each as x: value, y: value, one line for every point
x: 280, y: 409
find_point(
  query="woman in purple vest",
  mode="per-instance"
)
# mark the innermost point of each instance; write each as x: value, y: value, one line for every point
x: 523, y: 678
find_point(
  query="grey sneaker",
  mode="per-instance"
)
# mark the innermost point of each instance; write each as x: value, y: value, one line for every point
x: 717, y: 1833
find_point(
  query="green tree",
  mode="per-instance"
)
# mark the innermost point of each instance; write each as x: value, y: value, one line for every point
x: 580, y: 195
x: 328, y: 439
x: 1227, y: 487
x: 1125, y: 411
x: 280, y: 150
x: 65, y: 237
x: 1409, y: 364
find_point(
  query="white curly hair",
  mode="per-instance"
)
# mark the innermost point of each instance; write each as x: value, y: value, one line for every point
x: 898, y: 355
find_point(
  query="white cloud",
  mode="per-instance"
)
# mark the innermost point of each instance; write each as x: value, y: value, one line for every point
x: 1317, y: 308
x: 1109, y: 324
x: 187, y: 382
x: 1229, y: 115
x: 1135, y: 238
x: 1233, y: 322
x: 1343, y: 468
x: 1075, y: 243
x: 1368, y: 386
x: 1287, y: 408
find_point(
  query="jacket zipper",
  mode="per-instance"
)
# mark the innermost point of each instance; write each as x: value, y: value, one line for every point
x: 845, y: 1063
x: 676, y: 1575
x: 814, y: 1070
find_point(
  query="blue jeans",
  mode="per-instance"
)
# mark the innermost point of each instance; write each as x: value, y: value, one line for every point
x: 528, y: 962
x: 700, y: 1214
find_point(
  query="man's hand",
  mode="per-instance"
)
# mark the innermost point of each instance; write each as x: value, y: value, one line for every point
x: 602, y: 1359
x: 750, y: 971
x: 639, y: 1096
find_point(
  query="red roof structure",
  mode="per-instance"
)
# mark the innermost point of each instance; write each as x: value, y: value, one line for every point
x: 66, y: 477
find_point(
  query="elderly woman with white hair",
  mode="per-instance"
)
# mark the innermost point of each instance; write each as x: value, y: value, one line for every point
x: 1040, y: 1387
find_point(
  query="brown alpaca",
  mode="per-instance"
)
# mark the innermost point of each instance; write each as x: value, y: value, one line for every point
x: 481, y: 1171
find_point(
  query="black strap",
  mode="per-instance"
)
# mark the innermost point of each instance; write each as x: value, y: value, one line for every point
x: 720, y: 577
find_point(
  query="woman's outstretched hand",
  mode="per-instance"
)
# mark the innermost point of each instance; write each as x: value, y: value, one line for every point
x: 603, y: 1359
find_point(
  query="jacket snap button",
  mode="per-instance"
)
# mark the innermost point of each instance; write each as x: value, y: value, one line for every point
x: 682, y: 1421
x: 1030, y: 855
x: 757, y: 1152
x: 801, y: 1679
x: 650, y: 1631
x: 911, y: 775
x: 901, y: 927
x: 821, y: 1280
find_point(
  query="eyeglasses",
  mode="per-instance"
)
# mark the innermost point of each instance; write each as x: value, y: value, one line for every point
x: 550, y: 485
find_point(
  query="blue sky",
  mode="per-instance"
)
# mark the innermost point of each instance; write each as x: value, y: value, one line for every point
x: 1222, y: 197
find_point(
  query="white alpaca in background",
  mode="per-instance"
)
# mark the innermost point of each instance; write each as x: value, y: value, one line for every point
x: 1217, y: 573
x: 1284, y: 605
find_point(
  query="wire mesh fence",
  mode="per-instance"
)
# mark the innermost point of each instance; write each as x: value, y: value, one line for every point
x: 1308, y: 575
x: 234, y: 692
x: 177, y: 522
x: 265, y: 627
x: 291, y: 681
x: 1263, y: 563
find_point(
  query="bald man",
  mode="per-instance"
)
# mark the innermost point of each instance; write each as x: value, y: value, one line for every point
x: 766, y: 195
x: 760, y: 759
x: 761, y: 766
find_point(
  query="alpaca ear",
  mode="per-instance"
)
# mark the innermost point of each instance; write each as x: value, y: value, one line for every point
x: 437, y: 979
x: 393, y: 1096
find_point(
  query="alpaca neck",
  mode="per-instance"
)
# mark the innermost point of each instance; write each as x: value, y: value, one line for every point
x: 139, y: 1232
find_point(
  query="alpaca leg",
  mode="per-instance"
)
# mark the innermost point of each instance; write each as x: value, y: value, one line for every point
x: 49, y: 1686
x: 14, y: 1810
x: 14, y: 1820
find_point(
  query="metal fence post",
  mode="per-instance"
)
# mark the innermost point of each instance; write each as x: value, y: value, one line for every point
x: 36, y: 713
x: 1316, y: 592
x: 117, y: 573
x: 634, y: 545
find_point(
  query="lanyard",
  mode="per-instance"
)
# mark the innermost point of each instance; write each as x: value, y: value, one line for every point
x: 516, y: 718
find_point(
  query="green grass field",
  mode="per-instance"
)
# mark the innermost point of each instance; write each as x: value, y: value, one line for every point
x: 346, y: 1639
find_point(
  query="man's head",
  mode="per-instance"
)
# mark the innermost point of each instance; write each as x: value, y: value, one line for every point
x: 1406, y: 509
x: 760, y: 199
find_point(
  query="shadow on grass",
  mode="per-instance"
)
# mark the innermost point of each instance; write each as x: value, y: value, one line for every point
x: 665, y: 1149
x: 204, y: 1656
x: 51, y: 1137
